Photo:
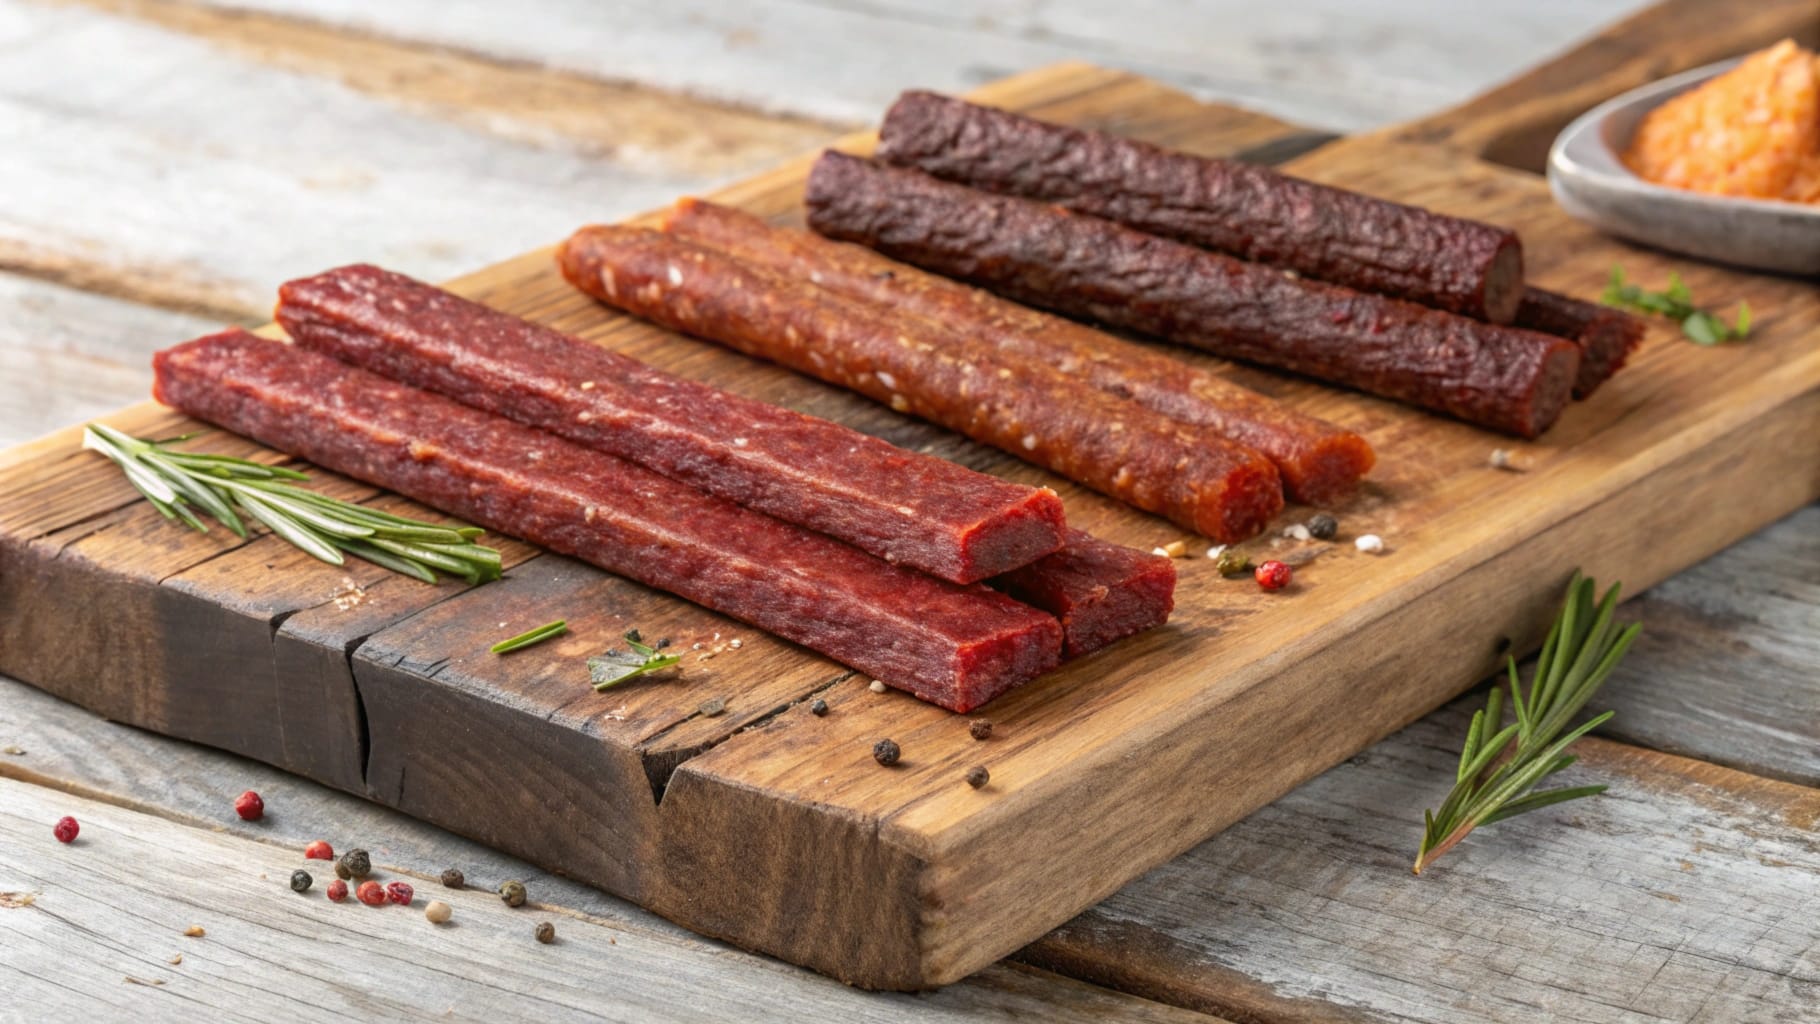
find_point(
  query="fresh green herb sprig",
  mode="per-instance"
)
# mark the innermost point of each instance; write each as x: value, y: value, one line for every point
x: 179, y: 484
x: 1582, y: 648
x: 616, y: 666
x: 1676, y: 303
x: 531, y: 637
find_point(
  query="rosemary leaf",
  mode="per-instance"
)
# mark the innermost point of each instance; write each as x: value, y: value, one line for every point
x: 531, y: 637
x: 178, y: 484
x: 614, y: 667
x: 1495, y: 781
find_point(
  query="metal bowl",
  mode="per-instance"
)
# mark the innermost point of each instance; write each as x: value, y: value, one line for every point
x: 1591, y: 182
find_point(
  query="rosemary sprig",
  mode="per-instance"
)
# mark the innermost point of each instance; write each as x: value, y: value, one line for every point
x: 616, y: 666
x: 1582, y: 648
x: 531, y: 637
x: 1676, y: 303
x: 232, y: 490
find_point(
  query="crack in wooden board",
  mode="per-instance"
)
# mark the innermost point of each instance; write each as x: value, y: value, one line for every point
x: 785, y: 836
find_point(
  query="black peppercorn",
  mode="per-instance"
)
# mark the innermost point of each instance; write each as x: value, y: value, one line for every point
x: 1323, y: 527
x: 356, y: 863
x: 342, y: 872
x: 301, y: 881
x: 980, y: 729
x: 453, y: 878
x: 513, y: 893
x: 819, y: 708
x: 885, y: 752
x: 978, y: 776
x: 546, y: 932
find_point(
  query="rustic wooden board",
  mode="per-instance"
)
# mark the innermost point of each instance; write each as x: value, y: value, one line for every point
x: 773, y: 828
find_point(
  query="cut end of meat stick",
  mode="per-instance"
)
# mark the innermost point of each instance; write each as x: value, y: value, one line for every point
x: 1606, y: 336
x: 955, y: 646
x: 1100, y: 591
x: 906, y: 507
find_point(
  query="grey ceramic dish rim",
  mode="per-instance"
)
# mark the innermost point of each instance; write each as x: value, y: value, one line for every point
x: 1610, y: 170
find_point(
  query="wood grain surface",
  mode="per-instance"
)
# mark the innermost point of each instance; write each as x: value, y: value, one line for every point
x: 902, y: 878
x: 98, y: 927
x: 1606, y: 910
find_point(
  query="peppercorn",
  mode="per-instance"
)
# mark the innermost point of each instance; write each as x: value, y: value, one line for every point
x: 546, y: 932
x: 319, y: 850
x: 301, y: 881
x: 355, y: 863
x: 513, y: 893
x: 819, y: 708
x: 1273, y: 575
x: 337, y: 891
x: 437, y: 911
x: 65, y: 829
x: 1323, y: 526
x: 453, y: 878
x: 885, y: 752
x: 371, y: 893
x: 978, y: 776
x: 1233, y: 563
x: 980, y: 729
x: 341, y: 871
x: 249, y: 806
x: 400, y: 893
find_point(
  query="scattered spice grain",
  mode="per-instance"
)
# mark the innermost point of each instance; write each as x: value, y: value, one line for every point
x: 301, y: 881
x: 878, y: 686
x: 980, y: 728
x: 342, y: 872
x: 1298, y: 531
x: 1274, y: 575
x: 885, y: 752
x: 400, y: 893
x: 356, y: 863
x: 978, y: 776
x: 436, y: 911
x: 712, y: 707
x: 194, y: 931
x: 66, y: 829
x: 1233, y: 563
x: 371, y: 893
x: 546, y: 932
x: 1370, y: 543
x: 1323, y: 526
x: 337, y: 891
x: 249, y: 806
x: 175, y: 960
x: 513, y: 893
x: 818, y: 708
x: 453, y: 878
x: 319, y: 850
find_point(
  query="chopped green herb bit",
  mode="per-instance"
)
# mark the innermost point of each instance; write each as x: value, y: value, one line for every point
x: 616, y: 666
x: 1676, y: 302
x: 531, y: 637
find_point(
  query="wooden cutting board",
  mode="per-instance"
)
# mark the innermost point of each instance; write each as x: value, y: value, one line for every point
x: 716, y: 798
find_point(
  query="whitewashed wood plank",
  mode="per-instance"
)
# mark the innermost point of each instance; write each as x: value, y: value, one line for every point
x: 108, y: 913
x: 1728, y: 667
x: 155, y: 164
x: 71, y: 355
x: 1329, y: 64
x: 1689, y: 893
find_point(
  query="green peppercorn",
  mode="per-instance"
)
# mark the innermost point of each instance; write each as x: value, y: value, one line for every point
x: 1323, y: 527
x: 453, y: 878
x: 513, y: 893
x: 356, y: 863
x: 1233, y: 563
x: 546, y: 932
x: 885, y: 752
x: 301, y: 881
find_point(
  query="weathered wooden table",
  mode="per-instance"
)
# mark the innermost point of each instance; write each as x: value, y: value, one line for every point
x: 164, y: 165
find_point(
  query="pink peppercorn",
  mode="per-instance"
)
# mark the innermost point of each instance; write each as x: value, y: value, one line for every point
x: 249, y: 806
x: 371, y: 894
x: 65, y: 830
x: 319, y: 850
x: 338, y: 891
x: 400, y: 893
x: 1273, y: 575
